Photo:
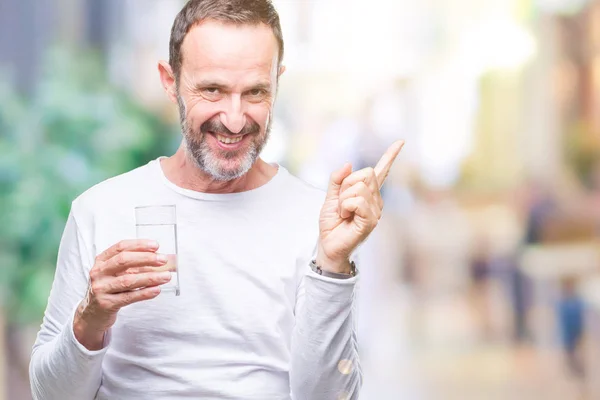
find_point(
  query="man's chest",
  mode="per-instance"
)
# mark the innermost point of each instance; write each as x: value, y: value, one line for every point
x: 236, y: 270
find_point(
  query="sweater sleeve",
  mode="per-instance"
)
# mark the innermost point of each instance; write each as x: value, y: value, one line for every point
x: 60, y: 367
x: 325, y: 363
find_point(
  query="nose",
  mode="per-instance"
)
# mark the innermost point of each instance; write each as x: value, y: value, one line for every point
x: 233, y: 117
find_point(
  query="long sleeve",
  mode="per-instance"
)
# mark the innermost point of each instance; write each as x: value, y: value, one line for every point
x: 325, y: 362
x: 61, y: 368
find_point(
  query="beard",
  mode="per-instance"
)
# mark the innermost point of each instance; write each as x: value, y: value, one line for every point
x: 221, y: 165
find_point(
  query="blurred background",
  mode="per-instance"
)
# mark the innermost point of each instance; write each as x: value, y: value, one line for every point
x: 482, y: 280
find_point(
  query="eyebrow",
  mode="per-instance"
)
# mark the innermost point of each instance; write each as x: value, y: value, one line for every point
x: 266, y: 86
x: 261, y: 85
x: 209, y: 83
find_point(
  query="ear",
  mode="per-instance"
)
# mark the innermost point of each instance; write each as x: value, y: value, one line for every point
x: 280, y: 71
x: 167, y: 80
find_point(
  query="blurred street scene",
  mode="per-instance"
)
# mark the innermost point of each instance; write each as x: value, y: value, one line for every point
x: 482, y: 280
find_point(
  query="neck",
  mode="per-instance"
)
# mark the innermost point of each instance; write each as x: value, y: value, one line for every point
x: 183, y: 172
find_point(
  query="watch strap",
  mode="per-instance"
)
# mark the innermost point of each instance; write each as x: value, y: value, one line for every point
x: 335, y: 275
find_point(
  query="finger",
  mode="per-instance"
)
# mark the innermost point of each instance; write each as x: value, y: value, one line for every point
x: 127, y: 298
x: 144, y: 269
x: 382, y: 169
x: 336, y: 179
x: 366, y: 175
x: 133, y: 259
x: 138, y: 270
x: 128, y: 245
x: 171, y: 265
x: 360, y: 207
x: 359, y: 189
x: 125, y: 283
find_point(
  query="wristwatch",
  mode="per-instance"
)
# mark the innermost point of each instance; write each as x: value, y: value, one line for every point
x: 336, y: 275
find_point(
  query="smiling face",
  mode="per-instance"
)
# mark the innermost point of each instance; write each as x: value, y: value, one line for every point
x: 225, y: 95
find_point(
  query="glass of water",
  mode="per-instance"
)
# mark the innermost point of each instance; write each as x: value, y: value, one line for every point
x: 160, y: 223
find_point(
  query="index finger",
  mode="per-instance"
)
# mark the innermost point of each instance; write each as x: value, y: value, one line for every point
x: 382, y: 169
x: 128, y: 245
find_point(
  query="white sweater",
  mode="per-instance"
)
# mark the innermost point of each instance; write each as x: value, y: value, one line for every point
x: 252, y: 321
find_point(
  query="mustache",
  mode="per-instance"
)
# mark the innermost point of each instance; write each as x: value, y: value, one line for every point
x: 214, y: 125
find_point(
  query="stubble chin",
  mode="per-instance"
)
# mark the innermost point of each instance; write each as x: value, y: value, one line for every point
x: 220, y: 165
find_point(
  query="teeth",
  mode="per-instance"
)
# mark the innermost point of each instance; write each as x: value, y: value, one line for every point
x: 228, y: 140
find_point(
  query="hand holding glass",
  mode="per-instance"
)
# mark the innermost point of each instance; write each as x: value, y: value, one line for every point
x: 160, y: 223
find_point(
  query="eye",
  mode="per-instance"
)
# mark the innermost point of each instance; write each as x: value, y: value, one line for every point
x: 257, y: 92
x: 211, y: 90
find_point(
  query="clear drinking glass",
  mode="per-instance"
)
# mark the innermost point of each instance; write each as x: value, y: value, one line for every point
x: 160, y: 223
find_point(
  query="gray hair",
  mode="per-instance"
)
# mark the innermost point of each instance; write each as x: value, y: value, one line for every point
x: 238, y: 12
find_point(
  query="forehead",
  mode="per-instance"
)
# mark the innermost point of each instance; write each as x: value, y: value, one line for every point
x: 227, y: 49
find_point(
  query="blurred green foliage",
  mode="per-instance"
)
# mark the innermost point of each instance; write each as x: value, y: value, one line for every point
x: 74, y: 132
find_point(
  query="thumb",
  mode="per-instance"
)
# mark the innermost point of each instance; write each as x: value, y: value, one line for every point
x: 337, y: 177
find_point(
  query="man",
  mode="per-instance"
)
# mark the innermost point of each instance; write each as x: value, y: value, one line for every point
x: 267, y: 285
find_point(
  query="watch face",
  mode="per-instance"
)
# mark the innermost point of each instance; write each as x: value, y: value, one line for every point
x: 352, y: 268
